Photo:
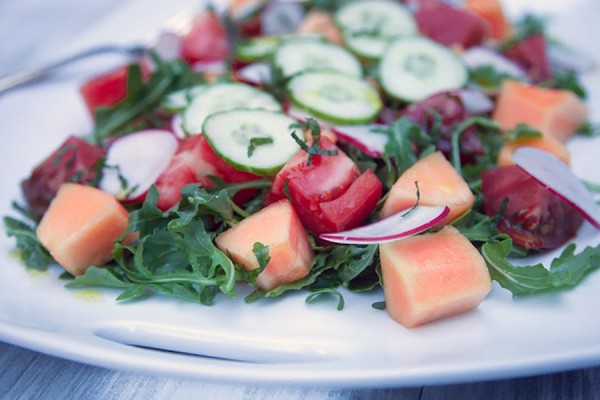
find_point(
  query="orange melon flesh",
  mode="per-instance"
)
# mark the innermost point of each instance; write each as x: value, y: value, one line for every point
x: 492, y: 12
x: 432, y: 276
x: 80, y: 227
x: 556, y: 113
x: 439, y: 184
x: 278, y: 227
x: 321, y: 22
x: 546, y: 143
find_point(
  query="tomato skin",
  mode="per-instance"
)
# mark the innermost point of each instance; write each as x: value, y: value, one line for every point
x: 451, y: 26
x: 186, y: 167
x: 329, y: 194
x: 206, y: 40
x: 531, y: 54
x: 73, y: 161
x: 356, y: 204
x: 534, y: 218
x: 451, y: 111
x: 108, y: 89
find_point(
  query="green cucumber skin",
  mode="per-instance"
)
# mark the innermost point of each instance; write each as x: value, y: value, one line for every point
x: 260, y: 171
x: 333, y: 119
x: 408, y: 99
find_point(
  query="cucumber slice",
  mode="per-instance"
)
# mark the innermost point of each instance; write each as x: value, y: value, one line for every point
x: 256, y: 49
x: 296, y: 56
x: 222, y: 97
x: 180, y: 99
x: 414, y: 68
x: 267, y: 133
x: 370, y: 26
x: 334, y: 97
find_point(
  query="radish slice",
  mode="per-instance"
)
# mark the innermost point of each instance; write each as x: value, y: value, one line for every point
x: 255, y: 74
x: 177, y: 126
x: 565, y: 58
x: 210, y: 67
x: 482, y: 56
x: 397, y: 226
x: 136, y: 161
x: 475, y: 101
x: 281, y: 17
x: 367, y: 138
x: 558, y: 178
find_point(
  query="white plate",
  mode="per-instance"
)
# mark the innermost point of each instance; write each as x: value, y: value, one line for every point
x: 284, y: 340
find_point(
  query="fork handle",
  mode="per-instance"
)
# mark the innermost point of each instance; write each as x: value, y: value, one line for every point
x: 26, y: 76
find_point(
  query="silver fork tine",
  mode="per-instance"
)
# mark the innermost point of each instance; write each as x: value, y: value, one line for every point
x: 27, y: 76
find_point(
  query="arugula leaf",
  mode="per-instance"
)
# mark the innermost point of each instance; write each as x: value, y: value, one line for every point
x: 327, y: 291
x: 522, y: 132
x: 142, y: 98
x: 399, y: 155
x: 258, y: 141
x: 528, y: 26
x: 488, y: 77
x: 565, y: 271
x: 95, y: 276
x: 31, y: 251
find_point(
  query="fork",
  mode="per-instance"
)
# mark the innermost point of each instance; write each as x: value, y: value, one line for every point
x: 27, y: 76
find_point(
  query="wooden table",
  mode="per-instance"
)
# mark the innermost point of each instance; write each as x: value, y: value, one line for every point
x: 25, y: 374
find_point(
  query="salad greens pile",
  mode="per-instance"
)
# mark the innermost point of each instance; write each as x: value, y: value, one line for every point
x: 175, y: 254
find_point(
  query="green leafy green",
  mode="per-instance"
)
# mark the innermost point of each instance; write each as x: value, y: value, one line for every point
x: 143, y: 97
x: 327, y: 292
x: 565, y: 271
x: 315, y: 148
x: 487, y: 77
x: 31, y: 251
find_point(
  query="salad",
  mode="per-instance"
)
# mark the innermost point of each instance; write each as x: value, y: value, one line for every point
x: 322, y: 145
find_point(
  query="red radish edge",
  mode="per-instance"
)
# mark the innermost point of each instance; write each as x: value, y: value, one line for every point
x: 364, y: 137
x: 408, y: 222
x: 139, y: 158
x: 558, y: 178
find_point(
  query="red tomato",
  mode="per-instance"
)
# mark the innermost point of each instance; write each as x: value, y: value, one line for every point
x: 534, y: 218
x: 314, y: 189
x: 107, y: 89
x: 73, y: 161
x: 206, y: 40
x: 531, y: 54
x: 450, y: 25
x: 354, y: 206
x: 187, y: 166
x: 444, y: 111
x: 194, y: 161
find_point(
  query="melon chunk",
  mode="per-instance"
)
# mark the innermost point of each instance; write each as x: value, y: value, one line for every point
x: 80, y: 227
x: 554, y: 112
x: 546, y: 143
x: 492, y: 12
x: 278, y: 227
x: 439, y: 185
x: 432, y: 276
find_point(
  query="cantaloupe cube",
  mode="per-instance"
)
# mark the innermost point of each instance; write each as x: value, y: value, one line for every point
x: 321, y: 22
x: 545, y: 143
x: 80, y: 227
x: 432, y: 276
x: 439, y: 184
x: 278, y: 227
x: 492, y: 12
x: 556, y: 113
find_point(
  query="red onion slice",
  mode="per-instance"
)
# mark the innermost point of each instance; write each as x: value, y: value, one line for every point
x: 177, y: 126
x: 558, y: 178
x: 565, y: 58
x: 281, y: 17
x: 397, y: 226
